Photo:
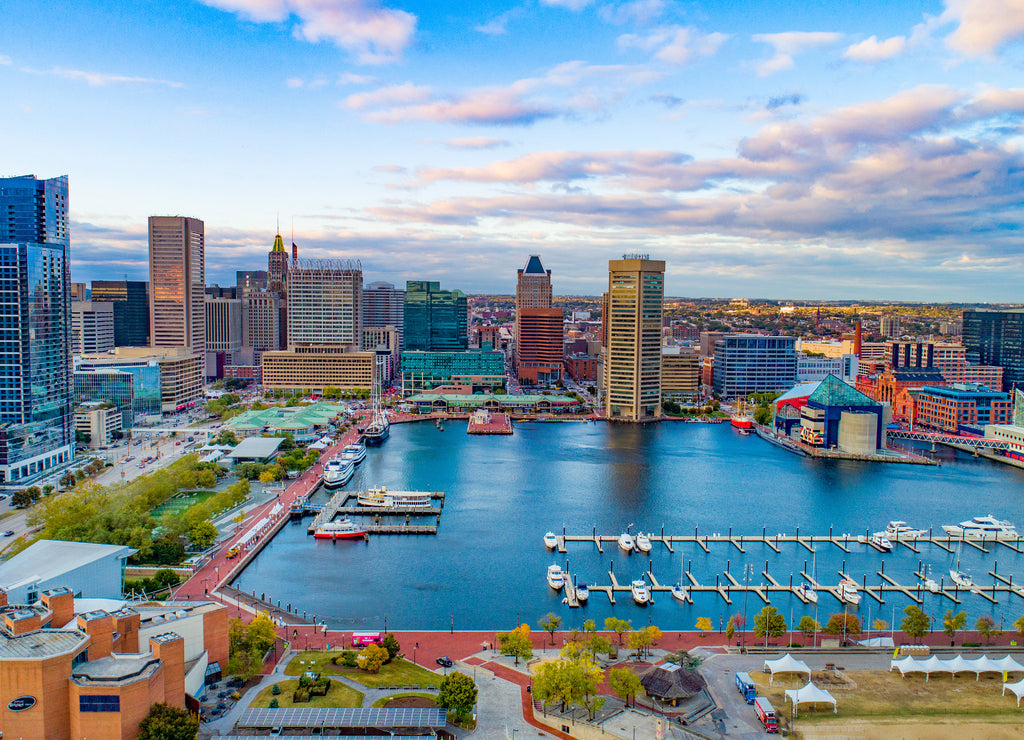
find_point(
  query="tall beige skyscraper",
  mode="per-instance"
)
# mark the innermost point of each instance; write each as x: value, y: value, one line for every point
x: 632, y: 329
x: 177, y: 282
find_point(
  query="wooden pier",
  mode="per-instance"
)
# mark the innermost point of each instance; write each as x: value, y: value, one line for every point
x: 339, y: 504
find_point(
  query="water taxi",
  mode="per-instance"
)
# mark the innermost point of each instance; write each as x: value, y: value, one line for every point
x: 641, y: 594
x: 338, y: 472
x: 382, y: 498
x: 556, y: 577
x: 643, y: 543
x: 341, y: 529
x: 550, y: 540
x: 982, y: 528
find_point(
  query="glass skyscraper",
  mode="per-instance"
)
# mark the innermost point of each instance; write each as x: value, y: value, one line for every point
x: 131, y: 309
x: 997, y: 338
x: 36, y: 420
x: 434, y: 319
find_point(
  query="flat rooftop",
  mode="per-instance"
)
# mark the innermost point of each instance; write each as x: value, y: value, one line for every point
x: 47, y: 560
x: 41, y: 644
x: 115, y: 668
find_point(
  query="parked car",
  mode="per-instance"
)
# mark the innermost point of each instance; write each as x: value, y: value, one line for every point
x: 444, y: 661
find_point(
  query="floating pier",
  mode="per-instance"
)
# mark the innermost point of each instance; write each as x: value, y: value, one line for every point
x: 339, y: 504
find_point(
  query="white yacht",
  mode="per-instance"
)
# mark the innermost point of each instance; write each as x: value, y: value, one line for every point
x: 848, y: 591
x: 338, y: 472
x: 626, y: 542
x: 807, y: 592
x: 582, y: 593
x: 643, y: 543
x: 641, y: 594
x: 556, y: 577
x: 550, y: 540
x: 982, y: 528
x: 680, y: 592
x: 382, y: 498
x: 354, y: 453
x: 882, y: 543
x: 897, y: 530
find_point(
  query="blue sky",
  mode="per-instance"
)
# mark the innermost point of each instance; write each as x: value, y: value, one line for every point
x: 786, y: 149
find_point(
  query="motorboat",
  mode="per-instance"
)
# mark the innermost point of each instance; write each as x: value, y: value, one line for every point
x: 897, y: 530
x: 556, y: 577
x: 641, y: 594
x: 338, y: 472
x: 340, y: 529
x: 626, y: 542
x: 550, y: 540
x: 848, y: 591
x: 680, y: 592
x: 643, y: 543
x: 807, y: 592
x: 982, y: 528
x: 882, y: 543
x: 382, y: 498
x: 582, y: 593
x: 354, y: 453
x: 931, y: 585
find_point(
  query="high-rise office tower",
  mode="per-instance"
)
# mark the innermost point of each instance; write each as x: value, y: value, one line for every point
x: 277, y: 265
x: 996, y: 338
x: 223, y: 324
x: 889, y: 326
x: 247, y: 281
x: 36, y: 388
x: 177, y: 283
x: 131, y: 309
x: 383, y: 305
x: 434, y: 319
x: 261, y: 321
x: 324, y: 298
x: 632, y: 354
x: 539, y: 345
x: 92, y: 327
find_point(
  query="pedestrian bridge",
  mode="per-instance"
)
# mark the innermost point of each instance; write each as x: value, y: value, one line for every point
x: 953, y: 439
x: 177, y: 430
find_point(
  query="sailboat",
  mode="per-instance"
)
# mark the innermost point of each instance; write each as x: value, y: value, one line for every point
x: 805, y: 589
x: 956, y: 575
x: 679, y: 591
x: 379, y: 428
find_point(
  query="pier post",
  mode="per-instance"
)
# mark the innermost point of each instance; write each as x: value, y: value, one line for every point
x: 995, y: 566
x: 764, y: 533
x: 694, y: 531
x: 798, y: 533
x: 882, y: 568
x: 611, y: 566
x: 727, y: 565
x: 805, y: 566
x: 844, y: 566
x: 730, y: 533
x: 830, y: 531
x: 689, y: 566
x: 662, y: 532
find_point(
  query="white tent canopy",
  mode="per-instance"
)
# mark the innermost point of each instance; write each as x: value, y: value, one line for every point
x: 958, y: 664
x: 810, y: 694
x: 1016, y: 688
x: 1009, y: 664
x: 786, y: 664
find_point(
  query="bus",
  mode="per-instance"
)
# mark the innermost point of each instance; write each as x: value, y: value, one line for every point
x: 366, y: 638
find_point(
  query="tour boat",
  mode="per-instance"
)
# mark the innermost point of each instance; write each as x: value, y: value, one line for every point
x: 582, y: 593
x: 982, y: 528
x: 848, y: 591
x: 341, y: 529
x: 338, y: 472
x: 556, y: 577
x: 807, y: 592
x: 641, y: 594
x: 354, y: 453
x: 382, y: 498
x: 680, y: 592
x: 643, y: 544
x: 626, y: 542
x: 550, y: 540
x: 897, y: 530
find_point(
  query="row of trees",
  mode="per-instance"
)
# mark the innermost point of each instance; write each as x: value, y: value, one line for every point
x: 518, y: 644
x: 248, y: 644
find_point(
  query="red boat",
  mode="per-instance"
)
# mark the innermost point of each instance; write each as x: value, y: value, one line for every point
x: 742, y: 421
x: 342, y: 529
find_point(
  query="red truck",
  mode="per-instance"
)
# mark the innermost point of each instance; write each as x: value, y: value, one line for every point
x: 766, y: 713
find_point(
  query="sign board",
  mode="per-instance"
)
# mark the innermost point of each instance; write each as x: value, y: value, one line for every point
x: 21, y: 703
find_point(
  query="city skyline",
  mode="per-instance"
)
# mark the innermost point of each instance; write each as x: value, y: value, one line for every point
x: 785, y: 151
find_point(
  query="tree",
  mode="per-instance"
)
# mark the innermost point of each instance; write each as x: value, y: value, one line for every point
x: 987, y: 627
x: 642, y: 639
x: 953, y: 623
x: 808, y: 626
x: 730, y: 629
x: 624, y: 683
x: 879, y: 625
x: 390, y: 643
x: 458, y: 693
x: 618, y: 626
x: 550, y: 624
x: 247, y: 644
x: 915, y: 624
x: 516, y: 643
x: 206, y: 478
x: 769, y: 622
x: 268, y: 476
x: 372, y: 657
x: 704, y: 625
x: 598, y: 644
x: 165, y: 722
x: 202, y: 534
x: 1019, y: 625
x: 842, y: 624
x: 227, y: 437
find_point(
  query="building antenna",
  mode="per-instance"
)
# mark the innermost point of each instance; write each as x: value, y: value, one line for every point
x: 278, y: 222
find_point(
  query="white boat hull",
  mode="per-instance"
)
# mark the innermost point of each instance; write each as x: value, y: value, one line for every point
x: 679, y: 593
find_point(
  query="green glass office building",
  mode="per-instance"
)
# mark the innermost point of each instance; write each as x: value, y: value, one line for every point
x: 434, y: 319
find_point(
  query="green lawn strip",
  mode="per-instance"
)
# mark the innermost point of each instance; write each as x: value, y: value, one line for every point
x: 395, y: 673
x: 338, y: 696
x: 384, y: 701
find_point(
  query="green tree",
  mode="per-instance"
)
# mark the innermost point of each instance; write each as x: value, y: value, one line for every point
x: 206, y: 478
x: 618, y: 626
x: 390, y: 643
x: 247, y: 644
x: 516, y: 643
x: 769, y: 622
x: 598, y: 644
x: 165, y: 722
x: 642, y: 639
x: 624, y: 683
x: 372, y: 658
x: 987, y: 627
x: 550, y: 624
x: 227, y: 437
x: 202, y: 534
x: 953, y: 623
x: 915, y: 624
x: 1019, y: 626
x: 808, y: 626
x: 458, y: 693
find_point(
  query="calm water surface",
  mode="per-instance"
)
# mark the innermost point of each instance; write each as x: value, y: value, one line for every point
x: 485, y: 568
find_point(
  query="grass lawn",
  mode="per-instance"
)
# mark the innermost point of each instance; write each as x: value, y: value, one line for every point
x: 395, y: 673
x: 385, y: 701
x: 338, y: 696
x: 886, y: 695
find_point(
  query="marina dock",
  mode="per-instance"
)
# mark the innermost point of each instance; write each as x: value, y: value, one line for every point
x: 339, y: 504
x: 486, y: 422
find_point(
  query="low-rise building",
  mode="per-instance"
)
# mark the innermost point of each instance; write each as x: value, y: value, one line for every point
x: 581, y: 367
x: 89, y: 570
x: 99, y: 421
x: 302, y: 422
x: 167, y: 379
x: 809, y: 369
x: 314, y: 367
x: 425, y: 370
x: 960, y: 405
x: 108, y: 385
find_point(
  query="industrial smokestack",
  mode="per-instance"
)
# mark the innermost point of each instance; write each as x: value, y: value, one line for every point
x: 857, y: 338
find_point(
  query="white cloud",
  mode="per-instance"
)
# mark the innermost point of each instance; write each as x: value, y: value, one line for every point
x: 984, y: 25
x: 101, y: 79
x: 294, y: 82
x: 476, y: 142
x: 567, y: 4
x: 674, y: 44
x: 386, y: 96
x: 638, y: 11
x: 872, y: 50
x: 373, y: 34
x: 348, y: 78
x: 4, y: 59
x: 789, y: 44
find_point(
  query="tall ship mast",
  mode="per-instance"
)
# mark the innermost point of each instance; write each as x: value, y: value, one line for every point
x: 379, y: 427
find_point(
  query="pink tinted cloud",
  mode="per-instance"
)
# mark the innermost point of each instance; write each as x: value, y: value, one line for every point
x: 984, y: 26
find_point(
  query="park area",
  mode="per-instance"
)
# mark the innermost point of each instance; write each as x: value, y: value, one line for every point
x: 398, y: 673
x: 338, y: 696
x: 883, y: 704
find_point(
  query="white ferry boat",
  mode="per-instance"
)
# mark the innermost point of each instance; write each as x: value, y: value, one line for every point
x: 848, y: 591
x: 354, y: 453
x: 382, y: 498
x: 982, y: 528
x: 550, y: 540
x: 807, y: 592
x: 556, y: 577
x: 338, y: 472
x: 897, y: 530
x: 626, y: 542
x: 582, y: 593
x: 341, y: 529
x: 641, y: 594
x: 643, y: 543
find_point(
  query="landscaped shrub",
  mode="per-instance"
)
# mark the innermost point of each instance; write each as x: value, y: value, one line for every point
x: 276, y: 691
x: 274, y: 705
x: 349, y: 658
x: 300, y: 696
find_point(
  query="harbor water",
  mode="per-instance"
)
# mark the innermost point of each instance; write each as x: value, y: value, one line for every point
x: 485, y: 568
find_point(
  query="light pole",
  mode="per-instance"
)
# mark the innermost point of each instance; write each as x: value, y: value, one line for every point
x: 747, y: 569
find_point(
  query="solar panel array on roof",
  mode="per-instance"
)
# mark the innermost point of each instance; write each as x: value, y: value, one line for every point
x: 407, y: 717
